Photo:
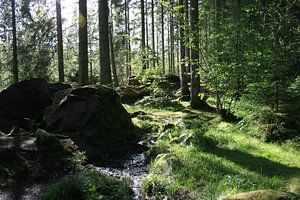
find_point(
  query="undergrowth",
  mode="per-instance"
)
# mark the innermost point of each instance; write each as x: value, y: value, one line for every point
x: 203, y: 157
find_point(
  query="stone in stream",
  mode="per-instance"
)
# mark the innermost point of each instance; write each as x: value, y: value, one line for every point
x: 263, y: 195
x: 94, y: 119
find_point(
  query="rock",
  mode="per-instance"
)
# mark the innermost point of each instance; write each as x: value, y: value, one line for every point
x: 262, y: 195
x: 166, y: 86
x: 94, y: 119
x: 51, y: 150
x: 132, y: 94
x: 24, y: 103
x: 55, y: 87
x: 138, y: 113
x: 12, y: 165
x: 133, y: 81
x: 26, y: 99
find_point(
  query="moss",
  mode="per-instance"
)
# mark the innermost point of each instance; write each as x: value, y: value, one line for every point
x: 51, y: 151
x: 12, y: 165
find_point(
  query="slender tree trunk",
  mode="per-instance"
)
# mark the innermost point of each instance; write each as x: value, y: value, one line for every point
x: 153, y: 34
x: 105, y: 70
x: 143, y: 33
x: 83, y: 44
x: 60, y: 51
x: 195, y: 77
x: 112, y: 56
x: 185, y: 93
x: 127, y: 39
x: 147, y: 34
x: 15, y: 68
x: 172, y: 44
x: 163, y: 39
x: 187, y: 52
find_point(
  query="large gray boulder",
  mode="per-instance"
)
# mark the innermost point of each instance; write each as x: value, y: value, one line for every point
x: 94, y: 119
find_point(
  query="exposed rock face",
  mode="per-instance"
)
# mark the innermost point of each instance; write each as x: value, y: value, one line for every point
x: 94, y: 118
x: 262, y: 195
x: 25, y: 101
x: 132, y: 94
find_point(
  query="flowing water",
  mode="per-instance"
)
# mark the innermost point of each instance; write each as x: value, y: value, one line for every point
x: 134, y: 169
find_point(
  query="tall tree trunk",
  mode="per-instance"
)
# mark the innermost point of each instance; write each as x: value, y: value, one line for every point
x: 127, y: 38
x: 185, y: 93
x: 83, y: 44
x: 187, y: 49
x: 105, y: 70
x: 112, y: 52
x: 195, y: 77
x: 15, y: 68
x: 112, y: 56
x: 163, y: 39
x: 143, y: 34
x: 60, y: 51
x: 172, y: 55
x: 147, y: 34
x: 153, y: 34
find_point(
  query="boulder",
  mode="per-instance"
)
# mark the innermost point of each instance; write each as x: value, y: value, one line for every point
x: 94, y: 119
x: 12, y: 165
x: 262, y: 195
x: 52, y: 151
x: 25, y: 102
x: 132, y: 94
x: 26, y: 99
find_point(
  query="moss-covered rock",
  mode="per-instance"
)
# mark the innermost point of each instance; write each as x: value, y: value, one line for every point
x: 12, y: 165
x: 262, y: 195
x: 94, y: 119
x: 52, y: 151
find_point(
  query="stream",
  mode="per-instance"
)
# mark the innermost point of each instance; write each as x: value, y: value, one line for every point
x: 134, y: 169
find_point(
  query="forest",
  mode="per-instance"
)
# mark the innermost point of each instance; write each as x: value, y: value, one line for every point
x: 149, y: 100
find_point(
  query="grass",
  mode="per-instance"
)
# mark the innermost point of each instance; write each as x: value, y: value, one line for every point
x: 204, y: 157
x: 88, y: 186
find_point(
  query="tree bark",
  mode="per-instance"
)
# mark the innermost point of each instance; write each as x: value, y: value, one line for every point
x: 163, y: 39
x: 60, y: 52
x: 143, y: 34
x: 105, y: 70
x: 15, y: 68
x: 195, y: 77
x: 153, y: 34
x: 185, y: 93
x: 83, y: 44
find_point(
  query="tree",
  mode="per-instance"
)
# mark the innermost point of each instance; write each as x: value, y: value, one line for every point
x: 83, y: 44
x: 15, y: 68
x: 185, y: 93
x: 105, y: 70
x: 153, y: 33
x: 60, y: 57
x: 143, y: 42
x: 195, y: 77
x: 163, y: 39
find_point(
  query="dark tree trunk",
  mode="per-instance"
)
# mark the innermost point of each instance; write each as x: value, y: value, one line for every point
x: 83, y: 44
x: 185, y: 93
x: 105, y: 70
x: 195, y: 77
x: 60, y: 52
x: 153, y: 34
x: 15, y: 68
x: 112, y: 54
x: 163, y: 39
x: 143, y: 33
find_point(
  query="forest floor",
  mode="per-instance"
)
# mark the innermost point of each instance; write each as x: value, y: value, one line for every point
x: 198, y: 155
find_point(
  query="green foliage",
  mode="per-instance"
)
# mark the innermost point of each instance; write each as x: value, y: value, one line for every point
x: 88, y: 186
x: 217, y: 159
x: 160, y: 102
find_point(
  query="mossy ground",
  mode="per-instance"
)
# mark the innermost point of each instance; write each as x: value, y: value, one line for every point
x: 204, y: 157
